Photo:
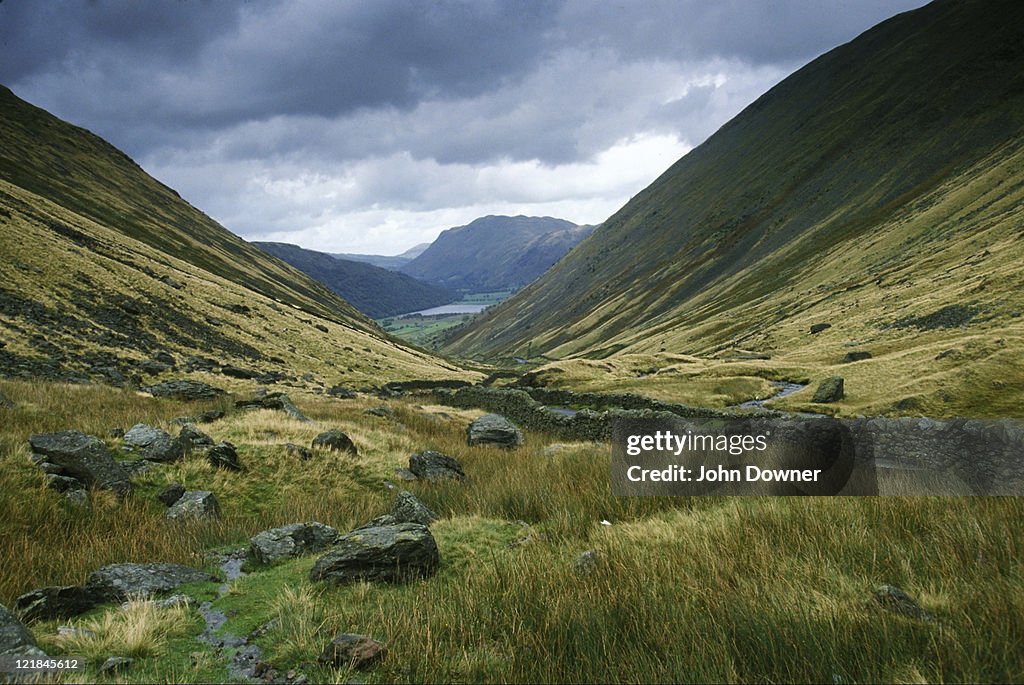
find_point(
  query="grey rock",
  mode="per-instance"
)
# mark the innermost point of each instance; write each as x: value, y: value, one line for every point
x: 352, y: 650
x: 386, y: 553
x: 897, y: 601
x: 15, y: 639
x: 78, y: 498
x: 856, y: 356
x: 195, y: 504
x: 141, y: 435
x: 588, y: 562
x: 116, y: 664
x: 274, y: 400
x: 224, y: 456
x: 494, y: 429
x: 409, y: 509
x: 405, y: 474
x: 191, y: 437
x: 336, y: 441
x: 118, y: 582
x: 62, y: 483
x: 83, y: 457
x: 382, y: 411
x: 56, y: 602
x: 341, y: 392
x: 171, y: 494
x: 237, y: 372
x: 183, y: 389
x: 819, y: 327
x: 154, y: 444
x: 299, y: 451
x: 211, y: 416
x: 829, y: 390
x: 434, y: 466
x: 291, y: 541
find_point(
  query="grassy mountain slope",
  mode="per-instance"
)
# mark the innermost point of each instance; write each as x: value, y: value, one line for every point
x: 103, y: 267
x: 393, y: 262
x: 880, y: 189
x: 375, y: 291
x: 495, y: 252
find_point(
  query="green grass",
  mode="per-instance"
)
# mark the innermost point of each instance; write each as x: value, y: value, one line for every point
x: 698, y: 589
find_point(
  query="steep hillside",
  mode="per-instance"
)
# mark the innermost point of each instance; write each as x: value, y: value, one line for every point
x: 393, y: 262
x: 879, y: 189
x: 103, y: 267
x: 495, y: 252
x: 375, y: 291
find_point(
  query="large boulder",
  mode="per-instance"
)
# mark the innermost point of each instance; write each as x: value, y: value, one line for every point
x: 829, y: 390
x: 274, y: 400
x: 336, y: 441
x: 56, y: 602
x: 224, y: 456
x: 15, y: 639
x: 291, y: 541
x: 171, y: 494
x: 154, y: 444
x: 118, y: 582
x: 434, y: 466
x: 395, y: 553
x: 183, y: 389
x: 194, y: 505
x: 409, y: 509
x: 83, y: 457
x: 494, y: 429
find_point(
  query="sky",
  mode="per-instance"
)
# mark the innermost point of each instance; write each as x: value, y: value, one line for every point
x: 369, y: 126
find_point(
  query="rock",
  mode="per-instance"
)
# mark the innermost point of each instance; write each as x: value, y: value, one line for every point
x: 829, y: 390
x: 409, y: 509
x: 15, y: 639
x: 62, y: 483
x: 951, y: 353
x: 341, y: 392
x: 119, y: 582
x: 434, y: 466
x: 83, y: 457
x: 195, y: 504
x: 274, y: 400
x: 301, y: 452
x: 588, y: 562
x: 115, y: 664
x: 224, y: 456
x: 78, y: 498
x: 165, y: 357
x: 386, y: 553
x: 291, y: 541
x: 167, y: 280
x: 152, y: 368
x: 211, y: 416
x: 116, y: 432
x: 896, y: 600
x: 236, y: 372
x: 154, y: 444
x: 183, y: 389
x: 62, y: 601
x: 494, y: 429
x: 856, y: 356
x: 171, y: 494
x: 405, y: 474
x: 321, y: 327
x: 819, y: 327
x: 336, y: 441
x: 169, y: 602
x: 382, y: 411
x: 354, y: 651
x: 191, y: 437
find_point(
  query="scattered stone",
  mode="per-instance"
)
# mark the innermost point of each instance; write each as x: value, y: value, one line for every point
x: 829, y: 390
x: 171, y: 494
x: 135, y: 467
x: 951, y: 353
x: 274, y: 400
x: 191, y: 437
x: 386, y: 553
x: 211, y: 416
x: 119, y: 582
x: 336, y: 441
x: 588, y: 562
x: 494, y: 429
x: 301, y: 452
x: 152, y: 368
x: 819, y: 327
x: 62, y: 483
x: 168, y: 603
x: 321, y: 327
x: 341, y: 392
x: 291, y: 541
x: 78, y: 498
x: 223, y: 455
x: 183, y: 389
x: 434, y: 466
x: 409, y: 509
x: 897, y: 601
x: 195, y: 504
x: 83, y: 457
x: 64, y: 601
x: 382, y: 411
x: 405, y: 474
x: 167, y: 280
x: 196, y: 363
x: 71, y: 631
x: 856, y: 356
x: 155, y: 444
x: 15, y: 639
x: 115, y: 664
x: 236, y: 372
x: 354, y: 651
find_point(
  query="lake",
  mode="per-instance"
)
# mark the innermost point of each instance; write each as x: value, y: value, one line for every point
x: 456, y: 308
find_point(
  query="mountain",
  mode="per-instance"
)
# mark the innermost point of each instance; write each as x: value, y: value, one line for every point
x: 879, y: 189
x: 102, y: 267
x: 496, y: 252
x: 393, y: 262
x: 372, y: 290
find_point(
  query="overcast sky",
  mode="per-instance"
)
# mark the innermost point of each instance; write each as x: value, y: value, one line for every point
x: 370, y: 126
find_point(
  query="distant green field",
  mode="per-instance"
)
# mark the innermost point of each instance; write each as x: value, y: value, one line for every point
x: 423, y: 330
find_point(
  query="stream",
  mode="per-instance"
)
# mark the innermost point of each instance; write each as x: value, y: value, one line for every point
x: 247, y: 656
x: 783, y: 388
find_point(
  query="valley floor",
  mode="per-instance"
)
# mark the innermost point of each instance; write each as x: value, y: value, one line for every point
x: 545, y: 575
